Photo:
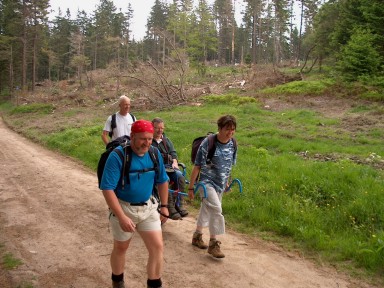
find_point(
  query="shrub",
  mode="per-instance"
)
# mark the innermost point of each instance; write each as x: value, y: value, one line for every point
x: 38, y: 108
x: 359, y: 57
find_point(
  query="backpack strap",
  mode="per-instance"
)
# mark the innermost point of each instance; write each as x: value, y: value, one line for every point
x: 212, y: 146
x: 119, y: 153
x: 163, y: 149
x: 126, y: 163
x: 212, y: 138
x: 113, y: 124
x: 153, y: 154
x: 164, y: 140
x: 234, y: 147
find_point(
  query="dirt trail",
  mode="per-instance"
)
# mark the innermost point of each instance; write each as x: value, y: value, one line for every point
x: 53, y: 217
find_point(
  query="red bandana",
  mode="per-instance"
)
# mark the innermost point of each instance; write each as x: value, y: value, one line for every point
x: 140, y: 126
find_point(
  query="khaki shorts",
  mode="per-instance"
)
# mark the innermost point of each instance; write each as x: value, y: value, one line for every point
x: 146, y: 218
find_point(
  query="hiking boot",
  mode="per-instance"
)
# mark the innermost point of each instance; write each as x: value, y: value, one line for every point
x: 179, y: 207
x: 173, y: 214
x: 214, y: 249
x: 197, y: 240
x: 181, y: 211
x: 119, y: 284
x: 179, y: 200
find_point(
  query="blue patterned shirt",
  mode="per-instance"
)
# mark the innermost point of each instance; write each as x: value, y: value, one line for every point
x: 218, y: 172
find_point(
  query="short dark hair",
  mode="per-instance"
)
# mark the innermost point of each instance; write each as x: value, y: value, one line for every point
x: 157, y: 120
x: 227, y: 120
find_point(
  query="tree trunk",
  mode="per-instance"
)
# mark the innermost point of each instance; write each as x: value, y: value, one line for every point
x: 254, y: 31
x: 300, y: 30
x: 24, y: 55
x: 34, y: 58
x: 233, y: 35
x: 11, y: 73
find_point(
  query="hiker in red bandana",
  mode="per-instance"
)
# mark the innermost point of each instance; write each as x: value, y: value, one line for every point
x: 132, y: 205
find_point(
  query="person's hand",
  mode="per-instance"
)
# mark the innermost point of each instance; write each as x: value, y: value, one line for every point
x: 127, y: 224
x: 227, y: 188
x: 163, y: 214
x: 191, y: 193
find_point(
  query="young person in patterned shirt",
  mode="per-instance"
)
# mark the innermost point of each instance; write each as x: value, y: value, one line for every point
x: 215, y: 176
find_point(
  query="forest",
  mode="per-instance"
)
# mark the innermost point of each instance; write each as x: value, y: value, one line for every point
x: 346, y: 36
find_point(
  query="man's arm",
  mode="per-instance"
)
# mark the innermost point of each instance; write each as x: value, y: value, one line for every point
x: 171, y: 150
x: 163, y: 194
x: 113, y: 203
x: 105, y: 136
x: 194, y: 174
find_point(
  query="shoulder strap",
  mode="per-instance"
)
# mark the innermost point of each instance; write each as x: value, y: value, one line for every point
x: 119, y: 153
x: 164, y: 140
x: 211, y: 146
x: 128, y: 159
x: 126, y: 163
x: 153, y: 153
x: 234, y: 143
x: 133, y: 117
x: 234, y: 147
x: 113, y: 124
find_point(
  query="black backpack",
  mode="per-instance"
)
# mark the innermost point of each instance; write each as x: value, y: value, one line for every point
x: 124, y: 142
x: 212, y: 138
x: 113, y: 123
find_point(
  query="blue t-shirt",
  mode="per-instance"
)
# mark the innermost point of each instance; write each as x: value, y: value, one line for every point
x: 141, y: 183
x: 218, y: 172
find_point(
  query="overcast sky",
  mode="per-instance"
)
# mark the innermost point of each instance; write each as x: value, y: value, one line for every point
x: 141, y: 10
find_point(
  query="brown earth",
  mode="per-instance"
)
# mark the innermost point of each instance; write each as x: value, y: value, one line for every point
x: 54, y: 219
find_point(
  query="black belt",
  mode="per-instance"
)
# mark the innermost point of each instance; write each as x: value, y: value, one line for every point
x: 138, y: 204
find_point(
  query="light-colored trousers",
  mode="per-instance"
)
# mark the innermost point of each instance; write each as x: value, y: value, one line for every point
x: 210, y: 214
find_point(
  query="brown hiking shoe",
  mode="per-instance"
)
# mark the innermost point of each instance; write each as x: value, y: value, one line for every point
x: 197, y: 240
x: 214, y: 249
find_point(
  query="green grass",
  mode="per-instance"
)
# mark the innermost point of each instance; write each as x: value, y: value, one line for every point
x: 10, y: 262
x: 323, y: 203
x: 36, y: 108
x: 313, y: 87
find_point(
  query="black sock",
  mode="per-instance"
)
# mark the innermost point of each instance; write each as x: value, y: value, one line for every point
x: 118, y: 278
x: 154, y: 283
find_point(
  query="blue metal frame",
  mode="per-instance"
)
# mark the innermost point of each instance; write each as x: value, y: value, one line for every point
x: 200, y: 184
